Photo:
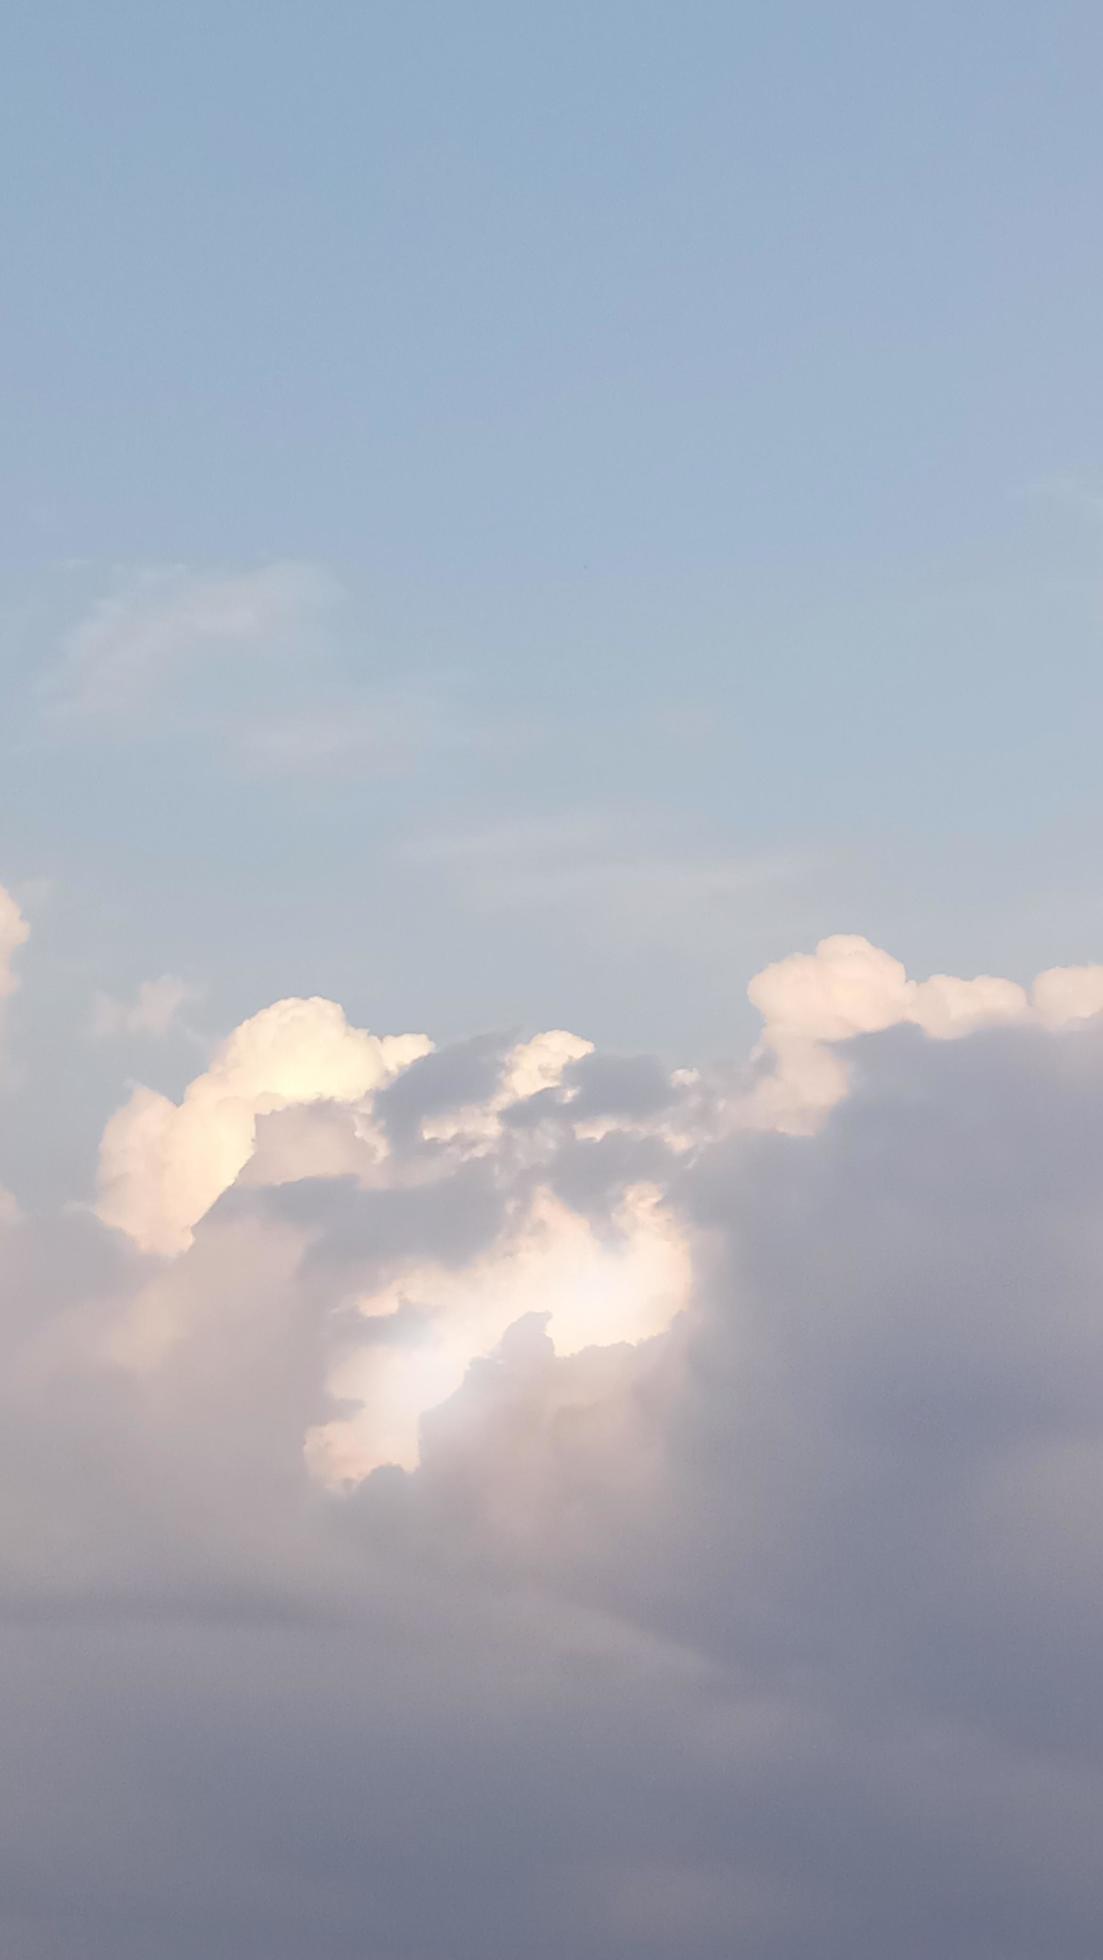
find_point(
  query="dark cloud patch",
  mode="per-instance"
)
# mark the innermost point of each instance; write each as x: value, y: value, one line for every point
x: 345, y: 1226
x: 545, y: 1106
x: 589, y: 1175
x: 465, y: 1072
x: 618, y: 1085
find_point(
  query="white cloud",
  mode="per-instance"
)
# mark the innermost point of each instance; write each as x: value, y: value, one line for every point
x: 1066, y: 994
x: 163, y: 1164
x: 811, y: 1002
x: 848, y: 986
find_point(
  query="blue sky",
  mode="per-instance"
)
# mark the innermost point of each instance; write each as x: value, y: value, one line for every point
x: 678, y: 434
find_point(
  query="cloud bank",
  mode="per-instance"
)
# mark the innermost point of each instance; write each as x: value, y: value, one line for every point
x: 740, y: 1590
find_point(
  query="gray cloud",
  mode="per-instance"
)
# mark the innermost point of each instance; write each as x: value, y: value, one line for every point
x: 467, y: 1072
x: 775, y: 1634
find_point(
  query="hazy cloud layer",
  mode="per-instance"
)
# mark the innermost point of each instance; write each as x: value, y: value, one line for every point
x: 616, y: 867
x: 129, y: 650
x: 741, y: 1594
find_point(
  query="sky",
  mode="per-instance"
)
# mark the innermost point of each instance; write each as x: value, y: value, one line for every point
x: 551, y: 980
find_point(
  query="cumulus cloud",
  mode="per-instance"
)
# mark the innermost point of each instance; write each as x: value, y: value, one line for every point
x: 394, y: 1119
x: 811, y: 1002
x: 1066, y: 994
x: 747, y: 1562
x: 163, y: 1164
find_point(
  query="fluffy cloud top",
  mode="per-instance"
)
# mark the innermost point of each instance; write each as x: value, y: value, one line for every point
x: 423, y: 1320
x: 813, y: 1001
x: 163, y: 1164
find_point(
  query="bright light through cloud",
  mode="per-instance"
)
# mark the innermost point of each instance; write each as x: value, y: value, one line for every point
x: 594, y: 1289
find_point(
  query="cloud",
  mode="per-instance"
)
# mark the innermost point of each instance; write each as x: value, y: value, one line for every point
x: 602, y: 861
x: 163, y: 1164
x: 153, y: 1011
x: 396, y: 1119
x: 812, y: 1002
x: 588, y: 1288
x: 751, y: 1568
x: 160, y: 621
x: 265, y: 665
x: 378, y: 729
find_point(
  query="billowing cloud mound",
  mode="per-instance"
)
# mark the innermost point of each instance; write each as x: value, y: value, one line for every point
x: 813, y: 1001
x: 745, y: 1595
x: 486, y: 1129
x: 162, y: 1164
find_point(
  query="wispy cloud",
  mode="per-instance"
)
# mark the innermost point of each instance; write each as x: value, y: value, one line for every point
x: 379, y: 731
x: 618, y: 863
x: 153, y: 1010
x: 264, y: 666
x: 158, y: 623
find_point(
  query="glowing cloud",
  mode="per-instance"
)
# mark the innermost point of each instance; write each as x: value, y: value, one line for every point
x: 593, y: 1288
x: 418, y: 1310
x: 163, y: 1164
x: 811, y: 1002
